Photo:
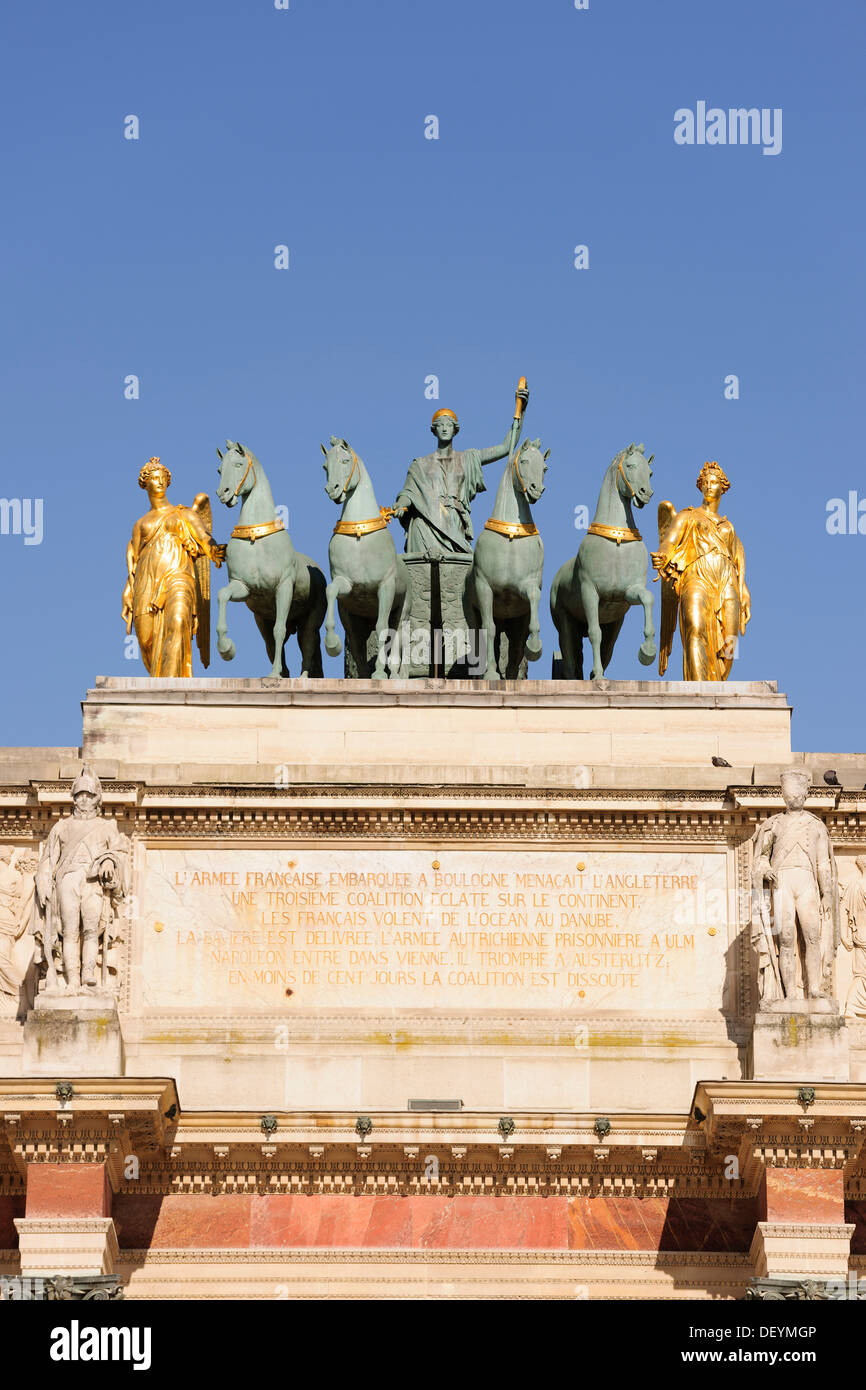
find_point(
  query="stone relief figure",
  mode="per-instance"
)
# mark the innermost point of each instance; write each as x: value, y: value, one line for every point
x: 854, y: 938
x: 16, y: 944
x: 702, y: 566
x: 793, y: 857
x: 435, y: 499
x: 167, y: 594
x: 81, y: 879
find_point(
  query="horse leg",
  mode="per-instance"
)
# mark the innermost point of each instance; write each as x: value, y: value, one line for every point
x: 283, y: 602
x: 516, y: 630
x: 265, y: 625
x: 308, y: 641
x: 609, y: 633
x: 638, y: 593
x: 384, y: 631
x: 338, y: 588
x: 308, y: 632
x: 589, y: 598
x: 532, y: 592
x: 233, y: 592
x: 291, y: 631
x: 565, y: 630
x: 357, y: 631
x: 484, y: 603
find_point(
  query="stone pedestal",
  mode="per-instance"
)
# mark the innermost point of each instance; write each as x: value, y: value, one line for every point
x: 801, y: 1249
x: 799, y: 1045
x: 437, y: 631
x: 53, y: 1245
x: 630, y: 733
x: 441, y: 640
x: 77, y: 1034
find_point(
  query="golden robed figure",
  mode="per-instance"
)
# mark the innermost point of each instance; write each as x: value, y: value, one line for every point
x: 702, y: 566
x: 167, y: 594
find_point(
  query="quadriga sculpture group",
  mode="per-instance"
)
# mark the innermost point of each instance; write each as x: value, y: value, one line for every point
x: 700, y: 563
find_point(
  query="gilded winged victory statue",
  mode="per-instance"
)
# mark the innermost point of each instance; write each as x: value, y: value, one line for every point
x: 167, y: 594
x: 702, y: 566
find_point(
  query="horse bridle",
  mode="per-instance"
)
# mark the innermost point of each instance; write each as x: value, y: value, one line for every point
x: 621, y: 473
x: 514, y: 530
x: 351, y: 472
x: 515, y: 470
x: 618, y: 533
x: 244, y: 478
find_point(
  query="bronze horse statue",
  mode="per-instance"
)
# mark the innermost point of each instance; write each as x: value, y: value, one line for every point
x: 504, y: 585
x: 284, y: 590
x: 369, y: 581
x: 592, y: 592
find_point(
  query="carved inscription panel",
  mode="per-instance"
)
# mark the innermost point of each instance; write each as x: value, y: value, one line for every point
x: 268, y: 930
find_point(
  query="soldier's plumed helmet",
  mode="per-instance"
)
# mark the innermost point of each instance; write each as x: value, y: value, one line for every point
x: 87, y: 781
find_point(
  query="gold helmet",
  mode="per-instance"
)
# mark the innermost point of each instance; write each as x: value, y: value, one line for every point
x: 451, y: 416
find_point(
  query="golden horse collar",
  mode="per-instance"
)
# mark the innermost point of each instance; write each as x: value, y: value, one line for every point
x: 614, y: 533
x: 511, y: 529
x: 364, y: 528
x: 255, y: 533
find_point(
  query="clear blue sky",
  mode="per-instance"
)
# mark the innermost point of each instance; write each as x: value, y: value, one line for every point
x: 412, y: 256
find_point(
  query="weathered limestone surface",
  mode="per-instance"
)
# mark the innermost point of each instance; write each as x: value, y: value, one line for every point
x: 799, y: 1045
x: 76, y: 1033
x: 442, y: 724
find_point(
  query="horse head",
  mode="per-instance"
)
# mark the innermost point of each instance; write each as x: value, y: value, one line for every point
x: 342, y: 469
x: 528, y: 469
x: 633, y: 474
x: 237, y: 473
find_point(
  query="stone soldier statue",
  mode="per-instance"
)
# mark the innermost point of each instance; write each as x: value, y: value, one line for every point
x: 854, y: 938
x: 80, y: 880
x: 16, y: 946
x: 435, y: 499
x: 794, y: 856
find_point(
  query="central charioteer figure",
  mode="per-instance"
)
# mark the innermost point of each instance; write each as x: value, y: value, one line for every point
x: 433, y: 505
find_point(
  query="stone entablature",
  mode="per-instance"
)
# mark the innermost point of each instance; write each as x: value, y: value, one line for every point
x: 232, y: 1206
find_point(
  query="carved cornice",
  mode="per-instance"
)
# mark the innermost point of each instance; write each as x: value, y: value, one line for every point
x: 674, y: 1260
x: 781, y: 1152
x: 806, y: 1230
x: 104, y: 1122
x: 447, y: 1152
x: 605, y: 823
x: 64, y: 1226
x: 765, y: 1125
x: 376, y: 811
